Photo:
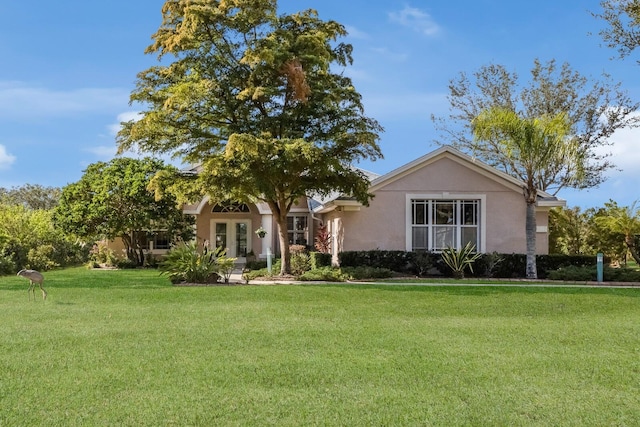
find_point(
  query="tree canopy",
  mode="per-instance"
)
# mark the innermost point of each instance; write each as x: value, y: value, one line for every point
x: 624, y: 220
x: 32, y: 196
x: 112, y: 200
x: 529, y: 147
x: 594, y: 108
x: 623, y: 19
x: 256, y: 99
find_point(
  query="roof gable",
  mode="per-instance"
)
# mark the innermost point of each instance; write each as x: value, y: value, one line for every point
x: 459, y: 157
x: 448, y: 152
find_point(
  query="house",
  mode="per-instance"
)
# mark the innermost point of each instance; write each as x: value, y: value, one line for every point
x: 445, y: 198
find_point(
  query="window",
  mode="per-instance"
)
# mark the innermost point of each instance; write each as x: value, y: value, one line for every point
x: 230, y: 207
x: 298, y: 230
x: 437, y: 224
x: 151, y: 240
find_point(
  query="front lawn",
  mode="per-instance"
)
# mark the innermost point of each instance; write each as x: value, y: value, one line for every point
x: 127, y: 348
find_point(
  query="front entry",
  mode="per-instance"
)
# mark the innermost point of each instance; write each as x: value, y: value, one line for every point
x: 232, y: 235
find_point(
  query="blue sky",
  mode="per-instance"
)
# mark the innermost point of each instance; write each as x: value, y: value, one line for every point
x: 68, y: 68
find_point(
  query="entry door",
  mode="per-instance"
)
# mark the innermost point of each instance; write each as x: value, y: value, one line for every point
x: 232, y: 235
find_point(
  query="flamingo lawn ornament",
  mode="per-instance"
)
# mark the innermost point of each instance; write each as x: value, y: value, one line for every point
x: 34, y: 277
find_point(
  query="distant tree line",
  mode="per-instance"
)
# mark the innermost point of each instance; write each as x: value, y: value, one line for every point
x: 612, y: 230
x: 28, y: 236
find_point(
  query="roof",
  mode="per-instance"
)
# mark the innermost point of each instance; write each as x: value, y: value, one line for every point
x: 336, y: 199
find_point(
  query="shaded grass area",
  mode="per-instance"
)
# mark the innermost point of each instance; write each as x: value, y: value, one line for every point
x: 127, y: 348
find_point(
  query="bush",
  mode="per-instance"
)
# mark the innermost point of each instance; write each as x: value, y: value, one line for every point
x: 458, y: 260
x: 40, y: 258
x: 399, y: 261
x: 590, y: 274
x: 300, y: 263
x: 256, y: 265
x: 225, y: 266
x: 574, y: 274
x: 184, y: 263
x: 422, y: 262
x: 126, y: 264
x: 487, y: 264
x: 326, y: 274
x: 319, y: 259
x: 7, y: 266
x: 101, y: 254
x: 362, y: 273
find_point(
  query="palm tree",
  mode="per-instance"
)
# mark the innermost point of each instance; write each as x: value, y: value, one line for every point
x: 624, y: 220
x: 530, y: 149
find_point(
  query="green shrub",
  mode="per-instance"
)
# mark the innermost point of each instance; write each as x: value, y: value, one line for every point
x: 362, y: 273
x: 326, y: 274
x: 7, y: 265
x: 458, y: 260
x: 300, y: 263
x: 487, y: 264
x: 40, y: 258
x: 102, y: 254
x: 574, y: 274
x: 225, y: 266
x: 125, y: 263
x: 256, y: 265
x: 319, y: 259
x: 422, y: 262
x: 399, y: 261
x: 185, y: 263
x: 589, y: 274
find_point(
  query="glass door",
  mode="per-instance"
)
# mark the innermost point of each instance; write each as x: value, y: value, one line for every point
x: 220, y: 237
x: 241, y: 239
x: 232, y: 235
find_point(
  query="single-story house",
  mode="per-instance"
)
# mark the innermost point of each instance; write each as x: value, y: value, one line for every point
x: 445, y: 198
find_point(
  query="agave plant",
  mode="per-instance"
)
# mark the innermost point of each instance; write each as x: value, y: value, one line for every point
x: 459, y: 260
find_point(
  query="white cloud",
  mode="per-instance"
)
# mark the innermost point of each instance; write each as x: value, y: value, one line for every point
x: 415, y: 19
x: 19, y: 100
x: 6, y: 159
x: 114, y: 128
x: 104, y: 152
x: 355, y: 33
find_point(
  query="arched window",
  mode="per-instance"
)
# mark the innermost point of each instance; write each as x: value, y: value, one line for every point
x: 230, y: 207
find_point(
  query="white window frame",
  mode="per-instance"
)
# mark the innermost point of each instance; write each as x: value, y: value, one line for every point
x: 482, y: 221
x: 305, y: 232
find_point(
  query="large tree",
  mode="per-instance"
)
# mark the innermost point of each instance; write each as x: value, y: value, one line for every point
x: 624, y: 220
x: 528, y: 147
x: 258, y: 100
x: 594, y: 108
x: 113, y: 200
x: 623, y: 30
x: 32, y: 196
x: 570, y: 230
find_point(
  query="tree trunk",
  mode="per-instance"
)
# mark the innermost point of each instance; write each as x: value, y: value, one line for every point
x: 631, y: 245
x: 530, y: 227
x: 285, y: 256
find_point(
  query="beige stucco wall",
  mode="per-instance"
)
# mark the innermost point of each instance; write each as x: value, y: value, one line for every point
x: 204, y: 220
x: 382, y: 225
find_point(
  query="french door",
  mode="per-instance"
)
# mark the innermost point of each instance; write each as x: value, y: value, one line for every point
x: 232, y: 235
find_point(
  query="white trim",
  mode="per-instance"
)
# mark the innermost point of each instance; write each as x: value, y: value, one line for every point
x: 267, y: 224
x: 447, y: 196
x: 263, y: 208
x: 551, y: 203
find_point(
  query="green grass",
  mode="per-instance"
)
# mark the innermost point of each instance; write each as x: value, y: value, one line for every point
x: 127, y: 348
